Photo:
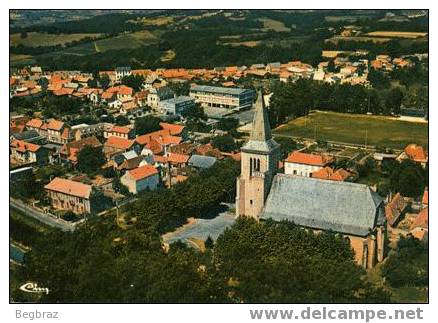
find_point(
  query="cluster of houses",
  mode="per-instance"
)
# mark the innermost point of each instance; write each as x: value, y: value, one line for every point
x: 142, y: 162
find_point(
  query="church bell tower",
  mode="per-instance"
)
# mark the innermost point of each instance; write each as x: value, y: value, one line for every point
x: 259, y: 163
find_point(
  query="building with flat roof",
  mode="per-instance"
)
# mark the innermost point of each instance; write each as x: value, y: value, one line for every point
x: 222, y: 97
x: 176, y: 106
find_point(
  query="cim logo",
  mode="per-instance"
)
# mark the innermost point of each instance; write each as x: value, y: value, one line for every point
x: 33, y: 288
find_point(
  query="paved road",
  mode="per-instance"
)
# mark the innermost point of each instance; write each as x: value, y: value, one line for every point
x: 40, y: 216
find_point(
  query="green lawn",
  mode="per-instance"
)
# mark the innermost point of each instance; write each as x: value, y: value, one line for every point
x: 356, y: 129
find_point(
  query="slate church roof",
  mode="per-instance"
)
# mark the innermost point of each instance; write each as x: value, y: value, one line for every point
x: 342, y: 207
x: 260, y: 139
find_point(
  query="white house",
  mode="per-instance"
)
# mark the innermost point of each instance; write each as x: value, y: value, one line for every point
x: 140, y: 179
x: 303, y: 164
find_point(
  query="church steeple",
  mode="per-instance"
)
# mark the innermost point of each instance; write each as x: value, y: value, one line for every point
x: 260, y: 139
x: 259, y: 163
x: 261, y: 130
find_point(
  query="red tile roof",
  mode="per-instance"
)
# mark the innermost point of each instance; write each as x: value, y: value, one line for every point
x: 330, y: 174
x: 34, y: 123
x: 395, y: 208
x: 175, y: 129
x: 119, y: 143
x: 23, y: 146
x: 69, y: 187
x: 416, y: 153
x: 146, y: 138
x: 143, y: 172
x: 308, y: 159
x: 422, y: 220
x: 160, y: 159
x: 175, y: 158
x: 63, y: 91
x: 121, y: 129
x: 54, y: 124
x: 122, y: 89
x: 425, y: 198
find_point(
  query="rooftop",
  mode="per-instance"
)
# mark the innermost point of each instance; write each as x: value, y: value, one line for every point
x: 307, y: 159
x: 69, y: 187
x: 143, y: 172
x: 342, y: 207
x: 219, y: 90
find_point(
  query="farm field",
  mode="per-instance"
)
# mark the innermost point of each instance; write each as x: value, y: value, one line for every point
x: 131, y: 40
x: 274, y: 25
x: 352, y: 128
x: 375, y: 39
x: 397, y: 34
x: 35, y: 39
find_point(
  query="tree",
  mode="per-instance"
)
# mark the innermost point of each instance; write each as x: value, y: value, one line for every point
x: 417, y: 97
x: 121, y: 120
x: 194, y: 113
x: 228, y: 124
x: 133, y: 81
x: 147, y: 124
x: 209, y: 244
x: 224, y: 143
x: 90, y: 159
x: 408, y: 264
x: 287, y: 145
x: 408, y: 179
x: 282, y: 263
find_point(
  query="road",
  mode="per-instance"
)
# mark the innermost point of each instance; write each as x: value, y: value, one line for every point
x: 42, y: 217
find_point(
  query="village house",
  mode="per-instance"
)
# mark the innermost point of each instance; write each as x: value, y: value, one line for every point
x: 115, y: 145
x: 156, y: 95
x: 58, y: 132
x: 177, y: 160
x: 121, y: 72
x: 141, y: 178
x: 120, y: 131
x: 70, y: 195
x: 415, y: 153
x: 83, y: 130
x: 25, y: 152
x: 396, y: 209
x: 304, y: 164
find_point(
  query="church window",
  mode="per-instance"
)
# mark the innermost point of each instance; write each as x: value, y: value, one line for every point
x: 258, y: 165
x: 250, y: 202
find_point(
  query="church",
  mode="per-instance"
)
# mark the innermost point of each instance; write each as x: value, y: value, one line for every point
x: 351, y: 209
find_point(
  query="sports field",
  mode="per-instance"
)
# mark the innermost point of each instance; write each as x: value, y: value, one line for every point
x: 356, y: 129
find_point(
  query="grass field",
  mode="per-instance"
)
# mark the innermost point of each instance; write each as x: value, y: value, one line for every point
x: 35, y: 39
x: 352, y: 128
x: 275, y: 25
x: 157, y: 21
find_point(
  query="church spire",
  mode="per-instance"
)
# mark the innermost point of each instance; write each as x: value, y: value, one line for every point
x: 261, y: 130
